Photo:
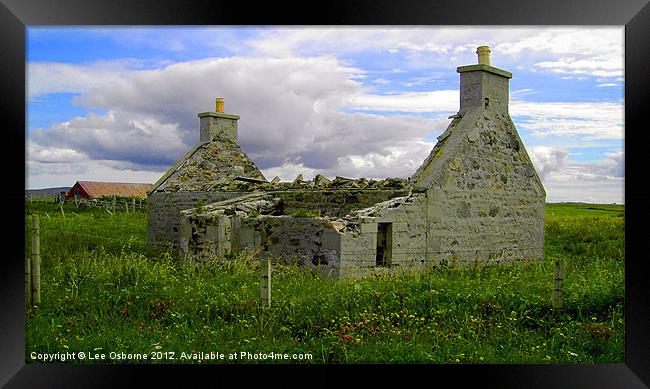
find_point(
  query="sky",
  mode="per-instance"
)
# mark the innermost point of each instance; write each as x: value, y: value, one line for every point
x: 120, y: 103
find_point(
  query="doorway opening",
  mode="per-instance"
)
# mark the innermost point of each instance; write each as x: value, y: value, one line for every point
x: 384, y: 244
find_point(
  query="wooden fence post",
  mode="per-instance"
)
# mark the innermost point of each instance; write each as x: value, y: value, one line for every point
x: 28, y: 281
x: 558, y: 281
x: 36, y: 262
x: 265, y: 282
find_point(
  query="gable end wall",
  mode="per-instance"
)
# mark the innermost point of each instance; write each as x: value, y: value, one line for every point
x: 485, y: 203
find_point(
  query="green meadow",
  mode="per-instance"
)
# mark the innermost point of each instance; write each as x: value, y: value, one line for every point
x: 105, y: 293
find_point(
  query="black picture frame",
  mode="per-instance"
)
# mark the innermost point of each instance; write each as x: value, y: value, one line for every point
x: 16, y: 15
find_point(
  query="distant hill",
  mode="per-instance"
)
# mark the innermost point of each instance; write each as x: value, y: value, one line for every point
x: 47, y: 191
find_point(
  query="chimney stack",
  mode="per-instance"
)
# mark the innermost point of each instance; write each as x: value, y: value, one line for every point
x: 484, y: 86
x: 217, y: 124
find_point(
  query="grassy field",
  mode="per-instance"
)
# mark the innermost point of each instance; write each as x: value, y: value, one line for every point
x: 104, y: 293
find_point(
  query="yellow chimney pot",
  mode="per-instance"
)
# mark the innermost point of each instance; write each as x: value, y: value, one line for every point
x: 483, y: 55
x: 219, y: 104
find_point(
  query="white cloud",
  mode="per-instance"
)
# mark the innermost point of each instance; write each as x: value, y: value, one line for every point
x: 291, y: 118
x: 295, y: 111
x: 600, y: 181
x: 308, y: 41
x: 53, y: 77
x: 604, y: 190
x: 565, y: 40
x: 37, y: 169
x: 436, y: 101
x: 393, y: 161
x: 596, y: 52
x: 292, y: 113
x: 613, y: 166
x: 597, y: 120
x: 47, y: 175
x: 446, y: 40
x: 289, y: 171
x: 382, y: 81
x: 122, y: 136
x: 589, y: 51
x: 53, y: 154
x: 581, y: 51
x: 598, y: 67
x: 547, y: 159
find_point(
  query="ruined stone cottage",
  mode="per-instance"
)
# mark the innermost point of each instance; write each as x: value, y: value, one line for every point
x: 475, y: 199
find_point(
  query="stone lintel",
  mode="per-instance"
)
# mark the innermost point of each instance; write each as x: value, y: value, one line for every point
x: 486, y: 68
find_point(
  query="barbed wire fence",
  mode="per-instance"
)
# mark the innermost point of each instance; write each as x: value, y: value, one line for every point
x: 111, y: 205
x: 58, y: 236
x: 65, y: 231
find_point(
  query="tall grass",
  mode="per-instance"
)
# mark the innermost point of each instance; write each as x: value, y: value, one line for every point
x: 97, y: 296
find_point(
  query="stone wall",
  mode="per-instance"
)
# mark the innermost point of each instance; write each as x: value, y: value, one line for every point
x: 335, y: 202
x: 407, y: 219
x: 309, y: 242
x: 485, y: 203
x: 210, y: 236
x: 478, y: 228
x: 336, y: 246
x: 250, y: 222
x: 164, y: 213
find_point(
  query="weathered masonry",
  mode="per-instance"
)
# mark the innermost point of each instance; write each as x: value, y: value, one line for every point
x: 205, y: 174
x: 476, y: 199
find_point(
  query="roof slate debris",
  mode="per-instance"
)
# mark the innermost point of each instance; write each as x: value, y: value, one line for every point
x: 221, y: 165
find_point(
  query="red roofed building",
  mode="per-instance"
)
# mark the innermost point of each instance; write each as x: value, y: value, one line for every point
x: 94, y: 189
